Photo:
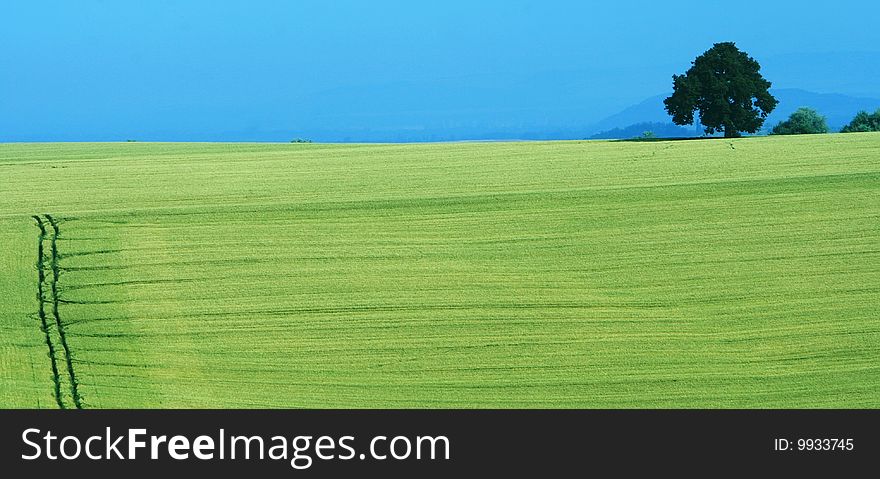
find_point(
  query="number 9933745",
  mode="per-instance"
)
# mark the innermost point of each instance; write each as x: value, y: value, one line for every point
x: 814, y: 444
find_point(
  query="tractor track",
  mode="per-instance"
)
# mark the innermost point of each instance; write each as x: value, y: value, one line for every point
x: 54, y: 301
x: 44, y: 324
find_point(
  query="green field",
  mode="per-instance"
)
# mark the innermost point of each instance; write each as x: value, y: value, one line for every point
x: 722, y: 273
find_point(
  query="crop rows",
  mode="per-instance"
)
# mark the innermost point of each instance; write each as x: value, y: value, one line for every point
x: 563, y: 274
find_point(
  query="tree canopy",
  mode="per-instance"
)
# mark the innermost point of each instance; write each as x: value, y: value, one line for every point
x: 863, y: 122
x: 804, y: 121
x: 725, y: 85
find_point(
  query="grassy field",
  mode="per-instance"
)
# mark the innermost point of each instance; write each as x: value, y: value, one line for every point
x: 724, y: 273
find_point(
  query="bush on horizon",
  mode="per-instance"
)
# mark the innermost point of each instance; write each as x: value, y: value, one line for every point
x: 863, y: 122
x: 804, y: 121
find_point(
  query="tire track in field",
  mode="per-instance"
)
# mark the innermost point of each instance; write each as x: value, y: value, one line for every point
x: 44, y: 326
x: 53, y: 232
x: 74, y: 387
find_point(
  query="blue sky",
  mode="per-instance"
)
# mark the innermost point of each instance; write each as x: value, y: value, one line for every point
x: 336, y: 70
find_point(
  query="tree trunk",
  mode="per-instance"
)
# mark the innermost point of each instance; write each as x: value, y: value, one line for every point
x: 730, y: 132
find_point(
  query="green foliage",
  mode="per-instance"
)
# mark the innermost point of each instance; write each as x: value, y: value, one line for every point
x: 804, y: 121
x: 863, y: 122
x: 538, y: 274
x: 726, y: 87
x: 300, y: 140
x: 648, y: 135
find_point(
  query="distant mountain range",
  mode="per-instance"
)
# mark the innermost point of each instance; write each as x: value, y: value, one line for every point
x: 838, y: 110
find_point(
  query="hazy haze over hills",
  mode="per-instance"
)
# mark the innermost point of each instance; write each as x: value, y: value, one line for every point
x: 838, y: 109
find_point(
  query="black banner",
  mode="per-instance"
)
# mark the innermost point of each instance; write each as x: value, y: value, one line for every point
x: 440, y: 443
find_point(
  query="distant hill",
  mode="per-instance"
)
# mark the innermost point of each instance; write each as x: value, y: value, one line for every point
x: 838, y: 109
x: 660, y: 130
x: 850, y: 73
x: 649, y: 110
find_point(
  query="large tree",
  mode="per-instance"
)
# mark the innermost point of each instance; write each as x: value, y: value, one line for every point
x: 725, y: 85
